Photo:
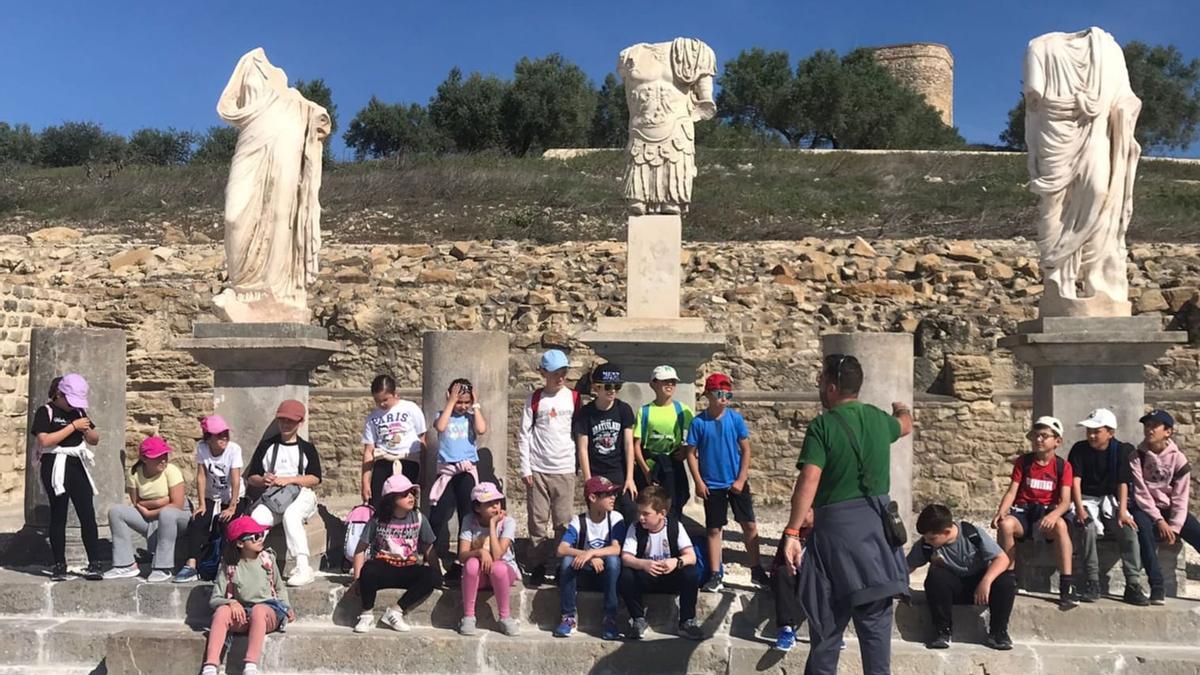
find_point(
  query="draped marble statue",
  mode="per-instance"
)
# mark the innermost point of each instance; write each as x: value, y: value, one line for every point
x: 1080, y: 114
x: 272, y: 214
x: 668, y: 87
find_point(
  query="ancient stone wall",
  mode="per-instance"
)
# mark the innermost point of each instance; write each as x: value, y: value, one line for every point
x: 926, y: 67
x: 771, y: 299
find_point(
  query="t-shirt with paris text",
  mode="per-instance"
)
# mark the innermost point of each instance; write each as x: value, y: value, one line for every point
x: 1042, y: 484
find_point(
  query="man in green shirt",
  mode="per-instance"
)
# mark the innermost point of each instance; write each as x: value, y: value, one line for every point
x: 850, y: 570
x: 659, y: 431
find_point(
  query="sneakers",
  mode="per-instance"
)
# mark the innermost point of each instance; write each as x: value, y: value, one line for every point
x: 942, y: 641
x: 453, y: 575
x: 758, y: 577
x: 1135, y: 596
x: 510, y: 626
x: 691, y: 630
x: 394, y: 618
x: 637, y: 628
x: 58, y: 572
x: 302, y: 576
x: 93, y: 572
x: 999, y: 641
x: 250, y: 668
x: 158, y: 576
x: 185, y: 574
x: 1091, y: 591
x: 366, y: 621
x: 785, y: 639
x: 610, y: 629
x: 537, y: 576
x: 566, y: 627
x: 714, y: 584
x: 126, y: 572
x: 466, y: 626
x: 1157, y: 595
x: 1066, y: 595
x: 209, y: 669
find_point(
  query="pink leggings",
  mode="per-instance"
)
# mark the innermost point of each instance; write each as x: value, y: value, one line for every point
x: 261, y: 620
x: 500, y: 581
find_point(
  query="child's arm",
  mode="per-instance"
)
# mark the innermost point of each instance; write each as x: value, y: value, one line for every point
x: 566, y: 548
x: 639, y: 457
x: 524, y: 431
x: 235, y: 489
x: 478, y: 419
x: 581, y: 444
x: 466, y: 550
x: 1081, y: 513
x: 635, y: 563
x: 630, y: 486
x: 498, y: 543
x: 1123, y: 516
x: 443, y: 420
x: 360, y: 559
x: 218, y: 590
x: 368, y: 463
x: 744, y: 472
x: 201, y: 488
x: 688, y: 555
x: 997, y: 567
x: 1064, y: 502
x: 1006, y: 503
x: 91, y: 436
x: 693, y: 461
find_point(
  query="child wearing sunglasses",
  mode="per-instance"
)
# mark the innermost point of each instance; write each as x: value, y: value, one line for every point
x: 248, y: 597
x: 719, y: 459
x: 603, y: 432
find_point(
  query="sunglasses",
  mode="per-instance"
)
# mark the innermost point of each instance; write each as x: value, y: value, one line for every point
x: 612, y: 387
x: 723, y: 395
x: 258, y: 536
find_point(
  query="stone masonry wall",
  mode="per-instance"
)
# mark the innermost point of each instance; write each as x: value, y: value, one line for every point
x: 927, y: 68
x: 772, y: 300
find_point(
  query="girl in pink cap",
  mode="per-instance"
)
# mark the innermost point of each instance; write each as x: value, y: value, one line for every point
x: 219, y: 495
x: 64, y: 432
x: 157, y: 507
x: 249, y: 595
x: 485, y: 550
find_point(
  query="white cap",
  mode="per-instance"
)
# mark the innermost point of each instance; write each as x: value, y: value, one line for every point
x: 1050, y: 423
x: 1100, y: 417
x: 664, y: 373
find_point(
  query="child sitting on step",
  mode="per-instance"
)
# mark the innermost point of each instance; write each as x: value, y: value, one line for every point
x: 591, y: 552
x: 219, y: 494
x: 395, y: 551
x: 657, y: 557
x: 248, y: 597
x: 485, y: 550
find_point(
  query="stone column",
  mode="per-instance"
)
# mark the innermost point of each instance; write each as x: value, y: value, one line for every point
x: 482, y: 358
x: 99, y: 355
x: 256, y: 366
x: 887, y: 362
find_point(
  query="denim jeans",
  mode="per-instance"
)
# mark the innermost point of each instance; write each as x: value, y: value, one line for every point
x: 569, y: 578
x: 1148, y: 542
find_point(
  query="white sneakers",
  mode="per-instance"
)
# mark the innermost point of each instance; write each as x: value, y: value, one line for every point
x: 159, y: 576
x: 127, y: 572
x: 392, y: 618
x: 302, y: 576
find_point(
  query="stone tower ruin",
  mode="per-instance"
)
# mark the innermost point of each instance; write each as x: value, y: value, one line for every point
x: 928, y: 68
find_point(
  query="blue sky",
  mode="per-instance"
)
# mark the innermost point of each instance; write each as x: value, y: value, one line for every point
x: 128, y: 65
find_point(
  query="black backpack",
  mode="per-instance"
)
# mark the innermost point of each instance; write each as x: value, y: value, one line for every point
x: 643, y: 538
x: 966, y: 528
x: 583, y: 531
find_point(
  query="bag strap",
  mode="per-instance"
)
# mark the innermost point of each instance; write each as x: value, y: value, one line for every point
x: 582, y: 533
x: 673, y: 536
x: 534, y: 400
x: 274, y: 456
x: 643, y: 538
x: 678, y: 423
x: 645, y: 423
x: 862, y: 469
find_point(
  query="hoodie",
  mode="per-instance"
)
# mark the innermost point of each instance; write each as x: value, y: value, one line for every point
x: 1161, y: 483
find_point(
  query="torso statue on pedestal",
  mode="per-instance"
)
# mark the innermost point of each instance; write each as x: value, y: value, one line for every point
x: 272, y: 213
x: 1080, y: 114
x: 668, y: 87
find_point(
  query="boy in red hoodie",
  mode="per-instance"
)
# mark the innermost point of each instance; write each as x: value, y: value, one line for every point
x: 1161, y: 482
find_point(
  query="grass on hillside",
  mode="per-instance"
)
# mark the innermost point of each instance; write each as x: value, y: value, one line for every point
x: 739, y: 195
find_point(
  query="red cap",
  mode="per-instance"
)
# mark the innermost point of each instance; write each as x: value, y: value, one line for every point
x: 291, y: 410
x: 718, y: 381
x: 242, y: 526
x: 599, y: 485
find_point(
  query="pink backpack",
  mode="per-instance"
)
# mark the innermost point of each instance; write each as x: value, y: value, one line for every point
x: 356, y: 521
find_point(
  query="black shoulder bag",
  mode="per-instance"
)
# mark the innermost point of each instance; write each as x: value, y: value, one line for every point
x: 893, y: 527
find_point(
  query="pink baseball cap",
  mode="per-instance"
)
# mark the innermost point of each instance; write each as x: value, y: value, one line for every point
x: 486, y: 492
x: 153, y: 447
x: 242, y: 526
x: 213, y: 425
x: 398, y: 484
x: 75, y: 389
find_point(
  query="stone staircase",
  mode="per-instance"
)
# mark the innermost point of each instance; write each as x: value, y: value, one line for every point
x: 128, y: 626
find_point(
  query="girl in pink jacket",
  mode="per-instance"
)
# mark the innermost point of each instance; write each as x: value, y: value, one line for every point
x: 1161, y: 483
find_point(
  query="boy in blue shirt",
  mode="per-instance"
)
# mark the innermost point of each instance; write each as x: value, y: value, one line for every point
x: 719, y: 459
x: 592, y: 555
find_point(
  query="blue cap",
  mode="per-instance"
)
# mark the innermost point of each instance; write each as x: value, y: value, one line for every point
x: 554, y: 360
x: 1161, y: 416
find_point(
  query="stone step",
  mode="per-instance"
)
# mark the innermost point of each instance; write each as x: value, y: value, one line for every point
x: 740, y: 612
x: 309, y: 649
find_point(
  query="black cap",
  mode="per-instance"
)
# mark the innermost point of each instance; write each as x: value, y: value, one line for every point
x: 1161, y: 416
x: 608, y: 373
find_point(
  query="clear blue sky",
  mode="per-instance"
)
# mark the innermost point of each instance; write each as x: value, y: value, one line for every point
x: 128, y: 65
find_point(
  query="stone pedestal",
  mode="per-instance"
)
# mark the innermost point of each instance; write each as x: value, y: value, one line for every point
x: 887, y: 362
x: 1082, y: 363
x: 98, y: 355
x: 256, y: 366
x: 482, y: 358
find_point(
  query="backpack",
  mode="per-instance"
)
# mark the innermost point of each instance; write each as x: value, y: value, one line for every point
x: 356, y: 521
x: 583, y: 531
x: 210, y: 562
x: 678, y: 423
x: 266, y: 559
x: 1059, y: 466
x: 968, y: 529
x: 537, y: 398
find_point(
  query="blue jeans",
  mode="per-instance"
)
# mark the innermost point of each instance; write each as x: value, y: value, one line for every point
x: 1148, y: 541
x: 569, y: 578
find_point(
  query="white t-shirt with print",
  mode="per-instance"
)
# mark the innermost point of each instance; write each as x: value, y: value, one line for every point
x: 656, y: 544
x: 395, y: 432
x: 219, y: 469
x: 597, y: 535
x: 287, y: 464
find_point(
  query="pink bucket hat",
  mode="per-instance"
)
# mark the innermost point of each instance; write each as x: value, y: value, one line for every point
x: 153, y: 447
x: 213, y: 425
x: 398, y: 484
x: 75, y: 389
x: 486, y: 492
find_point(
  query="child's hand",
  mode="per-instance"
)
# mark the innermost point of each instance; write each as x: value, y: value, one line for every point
x: 237, y: 612
x: 81, y: 424
x: 485, y: 561
x: 1165, y: 532
x: 269, y: 479
x: 631, y: 488
x: 227, y: 514
x: 581, y: 560
x: 366, y: 494
x: 1127, y: 520
x: 500, y: 516
x: 528, y: 481
x: 701, y: 490
x: 455, y: 391
x: 983, y: 592
x: 1047, y: 523
x: 291, y: 614
x: 597, y: 565
x: 201, y: 509
x: 738, y: 486
x: 996, y: 521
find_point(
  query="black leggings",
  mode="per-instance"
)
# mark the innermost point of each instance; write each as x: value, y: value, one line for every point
x: 383, y: 469
x: 455, y: 499
x: 420, y: 581
x: 202, y: 529
x: 78, y: 492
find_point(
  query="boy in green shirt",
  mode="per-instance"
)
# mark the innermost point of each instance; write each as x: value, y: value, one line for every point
x: 659, y: 431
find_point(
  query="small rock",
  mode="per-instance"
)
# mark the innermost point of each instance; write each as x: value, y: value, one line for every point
x: 861, y: 248
x: 55, y: 235
x: 460, y: 250
x: 906, y: 264
x: 933, y: 179
x: 965, y: 251
x: 1178, y: 297
x: 1151, y: 300
x: 137, y: 256
x: 435, y: 275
